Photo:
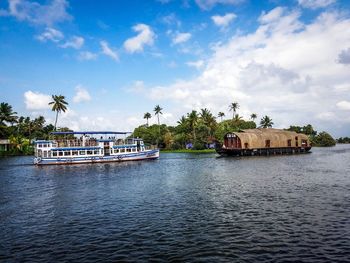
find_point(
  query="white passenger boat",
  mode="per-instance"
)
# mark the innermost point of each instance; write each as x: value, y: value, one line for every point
x: 85, y: 147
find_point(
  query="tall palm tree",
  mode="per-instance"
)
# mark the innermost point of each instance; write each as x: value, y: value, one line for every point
x: 147, y: 116
x: 208, y: 119
x: 253, y: 116
x: 233, y: 107
x: 7, y: 114
x: 193, y: 121
x: 266, y: 122
x: 58, y: 104
x: 221, y: 114
x: 158, y: 110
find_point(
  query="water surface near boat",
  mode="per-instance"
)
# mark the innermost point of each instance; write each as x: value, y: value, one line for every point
x: 182, y: 207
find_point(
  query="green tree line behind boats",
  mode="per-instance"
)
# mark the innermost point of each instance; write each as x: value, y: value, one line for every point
x: 199, y: 129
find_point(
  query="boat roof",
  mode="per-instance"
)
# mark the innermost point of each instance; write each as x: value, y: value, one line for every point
x: 89, y: 132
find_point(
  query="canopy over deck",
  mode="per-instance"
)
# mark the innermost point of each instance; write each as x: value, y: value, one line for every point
x: 89, y: 132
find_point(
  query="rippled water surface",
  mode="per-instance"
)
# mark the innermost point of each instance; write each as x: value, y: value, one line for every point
x: 182, y: 207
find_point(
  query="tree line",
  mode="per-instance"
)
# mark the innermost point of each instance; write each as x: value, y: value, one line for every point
x: 196, y: 129
x: 200, y: 129
x: 21, y: 130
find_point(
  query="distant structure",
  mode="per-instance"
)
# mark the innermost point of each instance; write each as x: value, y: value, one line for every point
x: 263, y: 141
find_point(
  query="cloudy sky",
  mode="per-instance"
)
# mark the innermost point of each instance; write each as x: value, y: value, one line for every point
x: 116, y: 60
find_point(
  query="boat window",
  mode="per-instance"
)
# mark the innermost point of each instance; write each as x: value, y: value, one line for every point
x: 49, y: 154
x: 96, y: 151
x: 40, y: 145
x: 54, y: 154
x: 45, y: 154
x: 267, y: 143
x: 289, y: 143
x: 133, y: 149
x: 303, y: 142
x: 60, y: 153
x: 128, y: 150
x: 66, y: 153
x: 82, y: 152
x: 89, y: 152
x: 74, y: 152
x: 296, y: 142
x: 246, y: 145
x: 116, y: 151
x: 44, y: 145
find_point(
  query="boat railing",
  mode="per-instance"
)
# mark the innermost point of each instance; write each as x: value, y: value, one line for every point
x: 74, y: 143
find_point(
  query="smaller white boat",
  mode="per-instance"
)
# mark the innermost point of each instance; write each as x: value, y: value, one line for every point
x: 85, y: 147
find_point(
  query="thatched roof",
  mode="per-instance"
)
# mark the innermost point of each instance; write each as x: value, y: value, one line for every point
x: 256, y: 138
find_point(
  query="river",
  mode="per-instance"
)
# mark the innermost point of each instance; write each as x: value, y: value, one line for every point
x: 182, y: 207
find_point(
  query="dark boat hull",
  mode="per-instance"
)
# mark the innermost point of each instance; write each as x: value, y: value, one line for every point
x: 262, y: 151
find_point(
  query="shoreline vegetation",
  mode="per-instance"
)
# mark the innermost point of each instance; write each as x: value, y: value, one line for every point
x: 194, y: 132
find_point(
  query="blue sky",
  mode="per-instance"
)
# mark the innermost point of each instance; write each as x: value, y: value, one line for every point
x: 116, y: 60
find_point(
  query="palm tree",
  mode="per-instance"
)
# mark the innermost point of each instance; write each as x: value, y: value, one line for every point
x: 266, y: 122
x: 208, y: 119
x: 158, y: 110
x: 147, y: 116
x: 233, y: 107
x: 58, y: 105
x: 237, y: 119
x: 253, y: 116
x: 7, y: 114
x: 193, y: 121
x: 221, y: 114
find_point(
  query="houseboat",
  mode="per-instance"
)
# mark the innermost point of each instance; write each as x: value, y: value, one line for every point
x: 91, y: 147
x: 263, y: 141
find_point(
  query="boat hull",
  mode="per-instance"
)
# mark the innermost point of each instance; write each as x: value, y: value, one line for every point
x: 262, y: 151
x: 146, y: 155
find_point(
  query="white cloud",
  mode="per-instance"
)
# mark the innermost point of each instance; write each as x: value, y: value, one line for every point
x: 41, y: 14
x: 272, y: 15
x: 50, y: 34
x: 197, y: 64
x: 87, y: 55
x: 36, y: 100
x: 145, y: 37
x: 181, y: 38
x: 314, y: 4
x: 108, y: 51
x: 75, y: 42
x: 223, y: 21
x: 81, y: 94
x: 286, y: 69
x: 209, y: 4
x: 344, y: 56
x: 343, y: 105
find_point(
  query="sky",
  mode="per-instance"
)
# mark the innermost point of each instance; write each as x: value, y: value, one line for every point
x: 116, y: 60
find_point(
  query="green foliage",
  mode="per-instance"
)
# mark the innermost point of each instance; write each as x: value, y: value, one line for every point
x: 323, y: 139
x: 307, y: 129
x: 343, y: 140
x: 266, y: 122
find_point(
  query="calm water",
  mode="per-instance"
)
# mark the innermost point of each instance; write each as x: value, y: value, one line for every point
x: 183, y: 207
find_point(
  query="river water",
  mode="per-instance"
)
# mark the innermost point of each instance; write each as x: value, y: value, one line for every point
x: 182, y: 207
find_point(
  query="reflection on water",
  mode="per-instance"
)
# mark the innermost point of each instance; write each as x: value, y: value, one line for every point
x: 183, y: 207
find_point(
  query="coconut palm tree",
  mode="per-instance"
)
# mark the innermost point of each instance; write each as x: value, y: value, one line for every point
x: 233, y: 107
x: 253, y: 116
x: 221, y: 114
x: 192, y: 119
x: 237, y: 119
x: 147, y: 116
x: 266, y: 122
x: 58, y: 104
x: 7, y: 114
x: 158, y: 110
